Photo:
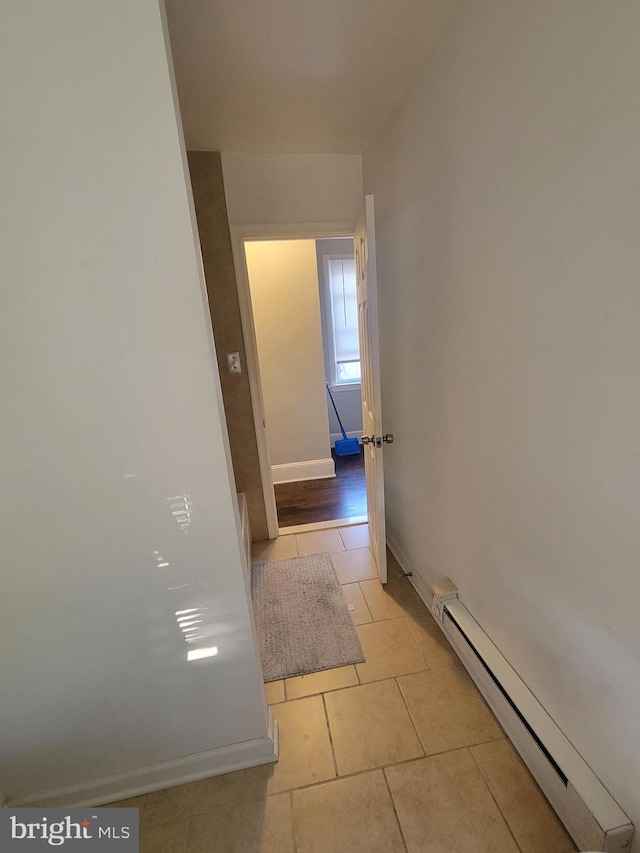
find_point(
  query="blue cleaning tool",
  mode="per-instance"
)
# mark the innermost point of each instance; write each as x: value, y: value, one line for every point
x: 344, y: 446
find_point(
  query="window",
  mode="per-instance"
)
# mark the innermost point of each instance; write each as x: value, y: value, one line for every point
x: 343, y: 315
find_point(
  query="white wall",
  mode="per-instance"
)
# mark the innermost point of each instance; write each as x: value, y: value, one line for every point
x: 286, y: 310
x: 267, y: 189
x: 110, y: 410
x: 507, y: 204
x: 348, y: 397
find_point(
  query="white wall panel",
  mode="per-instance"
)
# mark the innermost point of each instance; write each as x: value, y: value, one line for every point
x: 117, y: 510
x: 507, y: 206
x: 266, y: 189
x: 286, y: 311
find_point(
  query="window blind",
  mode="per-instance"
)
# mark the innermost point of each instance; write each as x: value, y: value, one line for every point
x: 344, y: 311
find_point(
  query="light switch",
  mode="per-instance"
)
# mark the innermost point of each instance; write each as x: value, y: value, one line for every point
x: 233, y: 362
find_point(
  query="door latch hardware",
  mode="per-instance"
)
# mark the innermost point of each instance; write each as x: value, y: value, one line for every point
x: 377, y: 440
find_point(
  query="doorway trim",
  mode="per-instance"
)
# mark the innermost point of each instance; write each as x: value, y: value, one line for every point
x: 323, y: 525
x: 240, y: 234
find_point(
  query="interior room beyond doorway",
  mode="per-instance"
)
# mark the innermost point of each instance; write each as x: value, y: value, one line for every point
x: 304, y: 310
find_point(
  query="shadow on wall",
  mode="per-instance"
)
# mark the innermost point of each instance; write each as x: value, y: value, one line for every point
x: 215, y: 242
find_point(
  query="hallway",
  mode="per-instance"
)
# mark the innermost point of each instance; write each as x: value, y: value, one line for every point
x: 146, y: 143
x: 396, y: 754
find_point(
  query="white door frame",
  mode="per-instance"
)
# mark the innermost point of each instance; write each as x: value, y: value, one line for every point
x: 240, y: 234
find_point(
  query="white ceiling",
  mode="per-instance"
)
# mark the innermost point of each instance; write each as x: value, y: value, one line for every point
x: 306, y: 76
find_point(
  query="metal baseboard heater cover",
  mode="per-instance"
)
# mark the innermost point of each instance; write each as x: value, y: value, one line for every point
x: 592, y: 817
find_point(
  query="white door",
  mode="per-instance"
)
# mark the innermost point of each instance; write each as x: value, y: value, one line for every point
x: 373, y: 439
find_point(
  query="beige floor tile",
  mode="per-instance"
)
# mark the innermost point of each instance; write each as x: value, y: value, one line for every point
x: 433, y: 644
x: 390, y: 649
x: 353, y: 566
x: 321, y: 682
x: 282, y: 548
x: 356, y: 536
x: 533, y: 822
x: 274, y: 691
x: 261, y: 826
x: 351, y: 815
x: 447, y: 709
x: 305, y: 750
x: 360, y: 613
x: 370, y: 727
x: 381, y: 605
x: 205, y: 795
x: 318, y: 542
x: 170, y: 837
x: 395, y: 574
x: 444, y: 806
x: 400, y: 589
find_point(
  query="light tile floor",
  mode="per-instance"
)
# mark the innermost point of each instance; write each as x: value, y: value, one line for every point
x: 396, y: 755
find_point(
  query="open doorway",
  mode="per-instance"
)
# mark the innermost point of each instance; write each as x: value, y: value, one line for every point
x: 304, y: 313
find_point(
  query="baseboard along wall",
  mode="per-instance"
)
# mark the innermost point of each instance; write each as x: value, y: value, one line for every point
x: 156, y: 777
x: 311, y: 469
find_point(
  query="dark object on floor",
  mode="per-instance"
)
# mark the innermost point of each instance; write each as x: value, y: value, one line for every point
x: 344, y: 446
x: 302, y: 617
x: 310, y: 501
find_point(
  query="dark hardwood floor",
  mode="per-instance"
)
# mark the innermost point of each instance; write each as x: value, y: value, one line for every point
x: 310, y: 501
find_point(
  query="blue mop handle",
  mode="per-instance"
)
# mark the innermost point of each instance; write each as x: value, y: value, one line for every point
x: 344, y: 435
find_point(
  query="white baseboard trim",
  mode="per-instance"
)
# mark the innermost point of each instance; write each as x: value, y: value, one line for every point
x: 312, y: 469
x: 352, y: 433
x: 155, y: 777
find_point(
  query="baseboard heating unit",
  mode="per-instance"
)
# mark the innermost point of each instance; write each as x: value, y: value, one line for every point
x: 590, y: 814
